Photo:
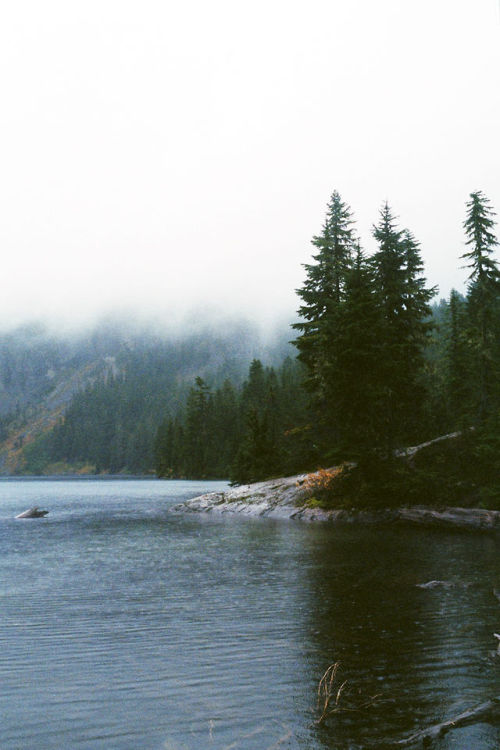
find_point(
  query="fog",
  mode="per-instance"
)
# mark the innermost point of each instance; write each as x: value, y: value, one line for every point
x: 175, y: 159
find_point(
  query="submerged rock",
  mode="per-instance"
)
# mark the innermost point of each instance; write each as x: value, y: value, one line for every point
x: 34, y: 512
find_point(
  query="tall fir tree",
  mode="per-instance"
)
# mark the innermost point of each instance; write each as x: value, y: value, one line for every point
x: 418, y: 295
x: 478, y: 226
x: 483, y: 298
x: 358, y: 377
x: 404, y: 300
x: 322, y: 295
x: 419, y: 325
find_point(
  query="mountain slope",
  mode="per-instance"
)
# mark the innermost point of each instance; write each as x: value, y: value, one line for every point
x: 94, y: 402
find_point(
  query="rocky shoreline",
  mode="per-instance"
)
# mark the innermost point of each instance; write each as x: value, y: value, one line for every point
x: 286, y: 498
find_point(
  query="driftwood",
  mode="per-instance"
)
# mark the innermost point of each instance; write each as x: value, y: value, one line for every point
x: 488, y: 712
x: 414, y: 449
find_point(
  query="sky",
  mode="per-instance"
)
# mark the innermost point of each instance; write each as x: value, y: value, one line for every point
x: 168, y: 157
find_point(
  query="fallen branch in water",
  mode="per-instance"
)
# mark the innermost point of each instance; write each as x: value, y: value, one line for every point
x: 488, y: 712
x: 326, y: 691
x: 329, y: 693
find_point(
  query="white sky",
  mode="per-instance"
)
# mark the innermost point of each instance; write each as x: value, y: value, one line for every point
x: 169, y: 155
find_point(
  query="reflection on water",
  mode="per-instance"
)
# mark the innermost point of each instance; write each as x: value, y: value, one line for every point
x: 123, y: 626
x: 426, y: 650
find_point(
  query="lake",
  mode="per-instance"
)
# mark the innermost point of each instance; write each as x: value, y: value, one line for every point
x: 126, y: 627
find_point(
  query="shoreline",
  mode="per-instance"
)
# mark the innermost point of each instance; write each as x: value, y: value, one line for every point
x: 76, y: 477
x: 286, y: 498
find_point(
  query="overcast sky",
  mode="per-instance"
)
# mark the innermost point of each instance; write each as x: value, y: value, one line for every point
x: 165, y: 155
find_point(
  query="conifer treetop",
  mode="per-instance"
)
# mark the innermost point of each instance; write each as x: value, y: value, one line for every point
x: 478, y: 227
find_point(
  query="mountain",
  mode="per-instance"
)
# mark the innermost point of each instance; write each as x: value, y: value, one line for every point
x: 92, y: 402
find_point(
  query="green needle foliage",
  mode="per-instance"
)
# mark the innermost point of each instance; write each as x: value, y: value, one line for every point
x: 483, y: 300
x: 378, y: 369
x: 322, y: 296
x: 404, y: 305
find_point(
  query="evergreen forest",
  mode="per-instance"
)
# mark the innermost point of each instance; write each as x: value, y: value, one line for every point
x: 380, y: 366
x: 373, y: 364
x: 93, y: 403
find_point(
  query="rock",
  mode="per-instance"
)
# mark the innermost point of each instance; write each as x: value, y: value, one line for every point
x: 474, y: 519
x: 287, y: 498
x: 33, y: 513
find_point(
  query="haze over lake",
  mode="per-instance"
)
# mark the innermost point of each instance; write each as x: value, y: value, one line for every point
x: 180, y: 183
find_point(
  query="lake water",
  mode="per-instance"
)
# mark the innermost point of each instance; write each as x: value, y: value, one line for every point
x: 126, y: 627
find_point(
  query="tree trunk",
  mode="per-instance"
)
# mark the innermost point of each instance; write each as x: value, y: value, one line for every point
x: 488, y: 712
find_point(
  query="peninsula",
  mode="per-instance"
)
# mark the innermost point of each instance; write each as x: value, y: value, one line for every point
x: 293, y: 498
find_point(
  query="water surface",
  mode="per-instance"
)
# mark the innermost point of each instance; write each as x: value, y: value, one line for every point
x: 123, y: 626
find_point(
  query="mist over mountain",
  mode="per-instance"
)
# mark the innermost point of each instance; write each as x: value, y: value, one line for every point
x: 116, y: 381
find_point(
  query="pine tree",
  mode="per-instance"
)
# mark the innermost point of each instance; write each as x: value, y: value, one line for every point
x: 255, y: 387
x: 259, y: 452
x: 483, y: 297
x: 419, y: 325
x: 418, y: 296
x: 478, y: 225
x: 197, y: 429
x: 404, y: 300
x: 226, y: 430
x: 322, y: 296
x: 358, y: 374
x: 255, y: 457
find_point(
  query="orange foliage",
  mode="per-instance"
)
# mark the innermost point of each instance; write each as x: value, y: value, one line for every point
x: 322, y: 479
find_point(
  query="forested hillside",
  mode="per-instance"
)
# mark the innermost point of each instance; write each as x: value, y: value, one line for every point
x: 377, y: 365
x: 93, y: 402
x: 272, y: 424
x: 255, y: 430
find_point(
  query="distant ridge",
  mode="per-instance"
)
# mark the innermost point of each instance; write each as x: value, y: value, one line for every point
x: 113, y: 385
